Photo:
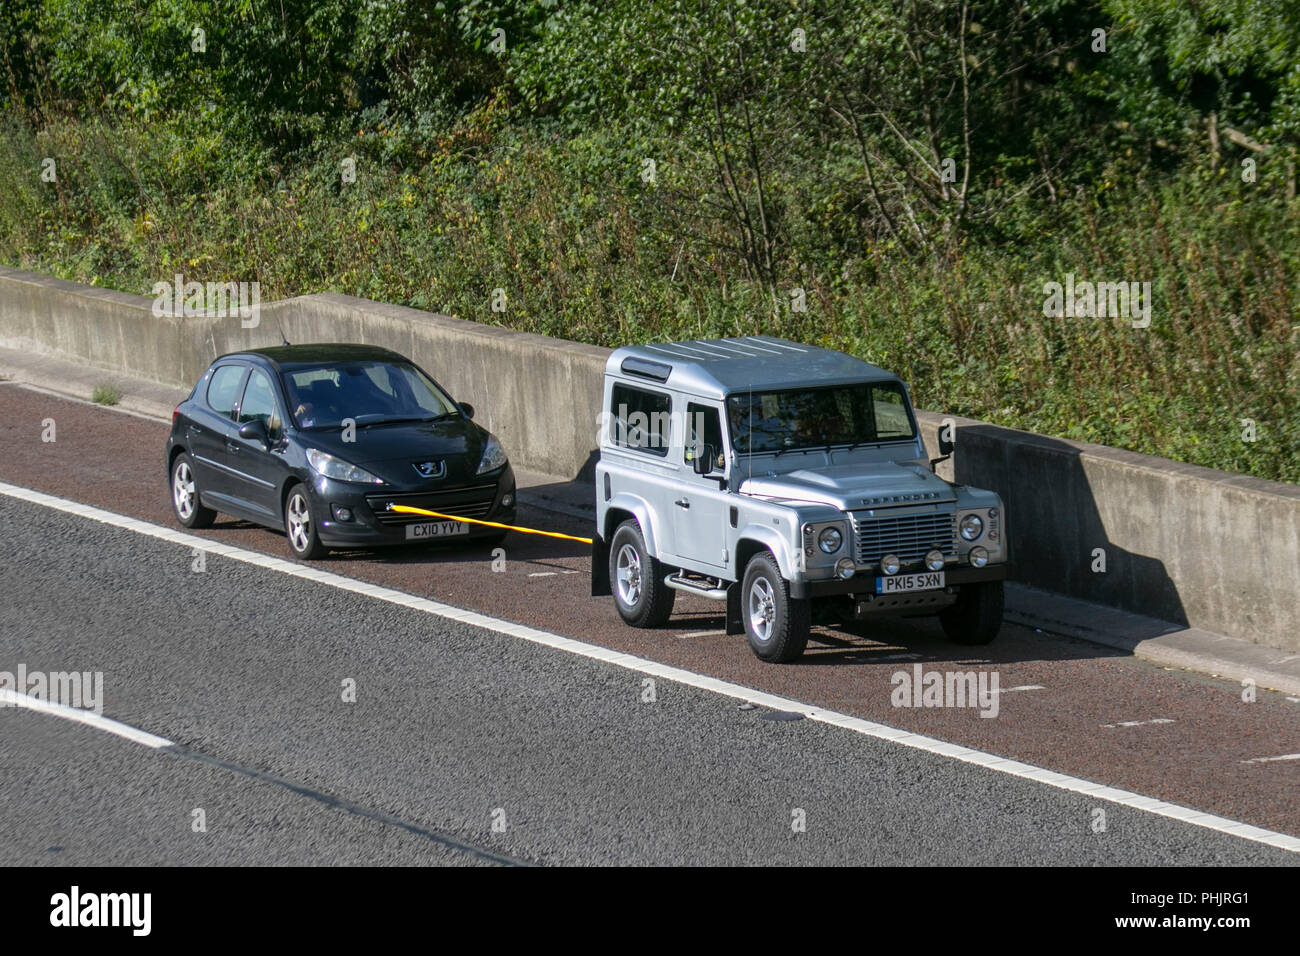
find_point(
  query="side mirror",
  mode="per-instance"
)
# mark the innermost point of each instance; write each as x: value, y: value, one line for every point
x: 255, y: 431
x: 946, y: 445
x: 468, y: 409
x: 703, y: 462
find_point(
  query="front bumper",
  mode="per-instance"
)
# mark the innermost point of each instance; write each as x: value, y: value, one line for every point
x: 372, y: 525
x: 866, y: 583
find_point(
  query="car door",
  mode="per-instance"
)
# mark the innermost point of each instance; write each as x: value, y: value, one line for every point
x: 212, y: 429
x: 259, y: 467
x: 700, y: 507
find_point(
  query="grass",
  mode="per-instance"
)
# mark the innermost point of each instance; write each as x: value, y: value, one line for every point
x: 581, y: 255
x: 106, y: 395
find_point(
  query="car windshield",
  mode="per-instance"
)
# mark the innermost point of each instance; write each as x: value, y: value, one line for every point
x: 366, y: 393
x: 857, y: 414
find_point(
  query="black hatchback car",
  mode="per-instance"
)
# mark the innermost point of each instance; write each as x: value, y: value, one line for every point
x: 321, y: 441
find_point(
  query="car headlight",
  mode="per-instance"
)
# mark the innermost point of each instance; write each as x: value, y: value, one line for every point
x: 971, y: 527
x: 337, y: 468
x: 494, y: 456
x: 890, y: 564
x: 830, y: 540
x: 978, y: 557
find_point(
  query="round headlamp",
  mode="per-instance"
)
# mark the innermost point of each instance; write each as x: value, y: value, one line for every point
x: 844, y: 568
x: 830, y: 540
x: 934, y: 560
x: 978, y: 557
x: 890, y: 564
x: 972, y: 526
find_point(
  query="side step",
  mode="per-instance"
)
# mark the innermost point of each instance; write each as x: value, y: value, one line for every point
x: 700, y: 587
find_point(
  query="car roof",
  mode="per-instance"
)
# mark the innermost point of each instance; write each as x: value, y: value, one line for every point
x: 715, y: 368
x: 320, y: 353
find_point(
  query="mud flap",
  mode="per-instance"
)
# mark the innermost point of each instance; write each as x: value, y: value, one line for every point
x: 599, y: 568
x: 734, y: 623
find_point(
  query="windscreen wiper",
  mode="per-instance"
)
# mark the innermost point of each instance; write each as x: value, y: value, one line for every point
x: 398, y: 421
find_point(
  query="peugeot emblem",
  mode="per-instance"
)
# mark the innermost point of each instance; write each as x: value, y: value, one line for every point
x: 429, y: 469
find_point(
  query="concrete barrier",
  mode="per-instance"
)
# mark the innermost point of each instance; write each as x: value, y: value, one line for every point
x: 1190, y: 545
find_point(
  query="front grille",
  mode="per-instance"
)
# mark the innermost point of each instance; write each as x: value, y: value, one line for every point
x: 474, y: 501
x: 908, y: 536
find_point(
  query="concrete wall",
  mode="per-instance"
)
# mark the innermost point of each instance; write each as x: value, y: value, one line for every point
x: 1190, y: 545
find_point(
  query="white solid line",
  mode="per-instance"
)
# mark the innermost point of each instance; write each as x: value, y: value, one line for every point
x: 1271, y: 759
x: 859, y: 725
x: 1140, y: 723
x: 1012, y: 690
x: 10, y: 698
x: 703, y: 634
x: 543, y: 574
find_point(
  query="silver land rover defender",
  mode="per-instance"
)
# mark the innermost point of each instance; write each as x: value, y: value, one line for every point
x: 777, y: 476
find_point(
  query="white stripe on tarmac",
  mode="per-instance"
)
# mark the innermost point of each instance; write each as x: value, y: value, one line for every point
x: 1271, y: 759
x: 858, y: 725
x: 11, y: 698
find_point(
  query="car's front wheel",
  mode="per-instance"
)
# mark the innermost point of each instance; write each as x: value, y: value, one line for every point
x: 642, y: 598
x: 300, y: 526
x: 976, y: 618
x: 776, y: 624
x: 186, y: 505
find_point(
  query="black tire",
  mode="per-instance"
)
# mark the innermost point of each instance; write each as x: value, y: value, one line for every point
x: 300, y: 525
x: 184, y: 488
x: 787, y: 620
x: 976, y: 618
x: 642, y: 599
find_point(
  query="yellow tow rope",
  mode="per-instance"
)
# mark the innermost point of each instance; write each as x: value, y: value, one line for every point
x: 407, y: 509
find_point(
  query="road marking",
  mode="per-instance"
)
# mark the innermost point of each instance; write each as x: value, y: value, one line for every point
x: 11, y: 698
x: 1271, y: 759
x: 542, y: 574
x: 1140, y: 723
x: 704, y: 634
x: 866, y: 728
x: 1012, y: 690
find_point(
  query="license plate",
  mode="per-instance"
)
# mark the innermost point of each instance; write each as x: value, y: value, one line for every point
x: 897, y: 583
x: 436, y: 529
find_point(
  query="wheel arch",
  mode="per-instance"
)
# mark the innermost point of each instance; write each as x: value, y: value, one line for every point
x: 755, y: 539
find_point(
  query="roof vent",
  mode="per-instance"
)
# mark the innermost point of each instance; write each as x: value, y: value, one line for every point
x: 644, y: 368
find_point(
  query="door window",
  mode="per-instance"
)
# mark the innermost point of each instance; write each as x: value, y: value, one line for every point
x: 259, y: 403
x: 703, y: 427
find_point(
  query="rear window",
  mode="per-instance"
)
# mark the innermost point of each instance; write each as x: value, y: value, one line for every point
x: 223, y: 390
x: 639, y: 420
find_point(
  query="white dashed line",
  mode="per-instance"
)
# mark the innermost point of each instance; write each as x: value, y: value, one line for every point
x: 542, y: 574
x: 858, y: 725
x: 704, y: 634
x: 1012, y: 690
x: 1140, y: 723
x: 1271, y: 759
x: 10, y: 698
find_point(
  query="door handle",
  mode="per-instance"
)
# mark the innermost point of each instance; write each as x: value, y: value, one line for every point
x: 232, y: 447
x: 682, y: 503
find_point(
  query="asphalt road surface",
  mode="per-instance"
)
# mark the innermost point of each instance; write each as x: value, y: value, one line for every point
x: 466, y: 745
